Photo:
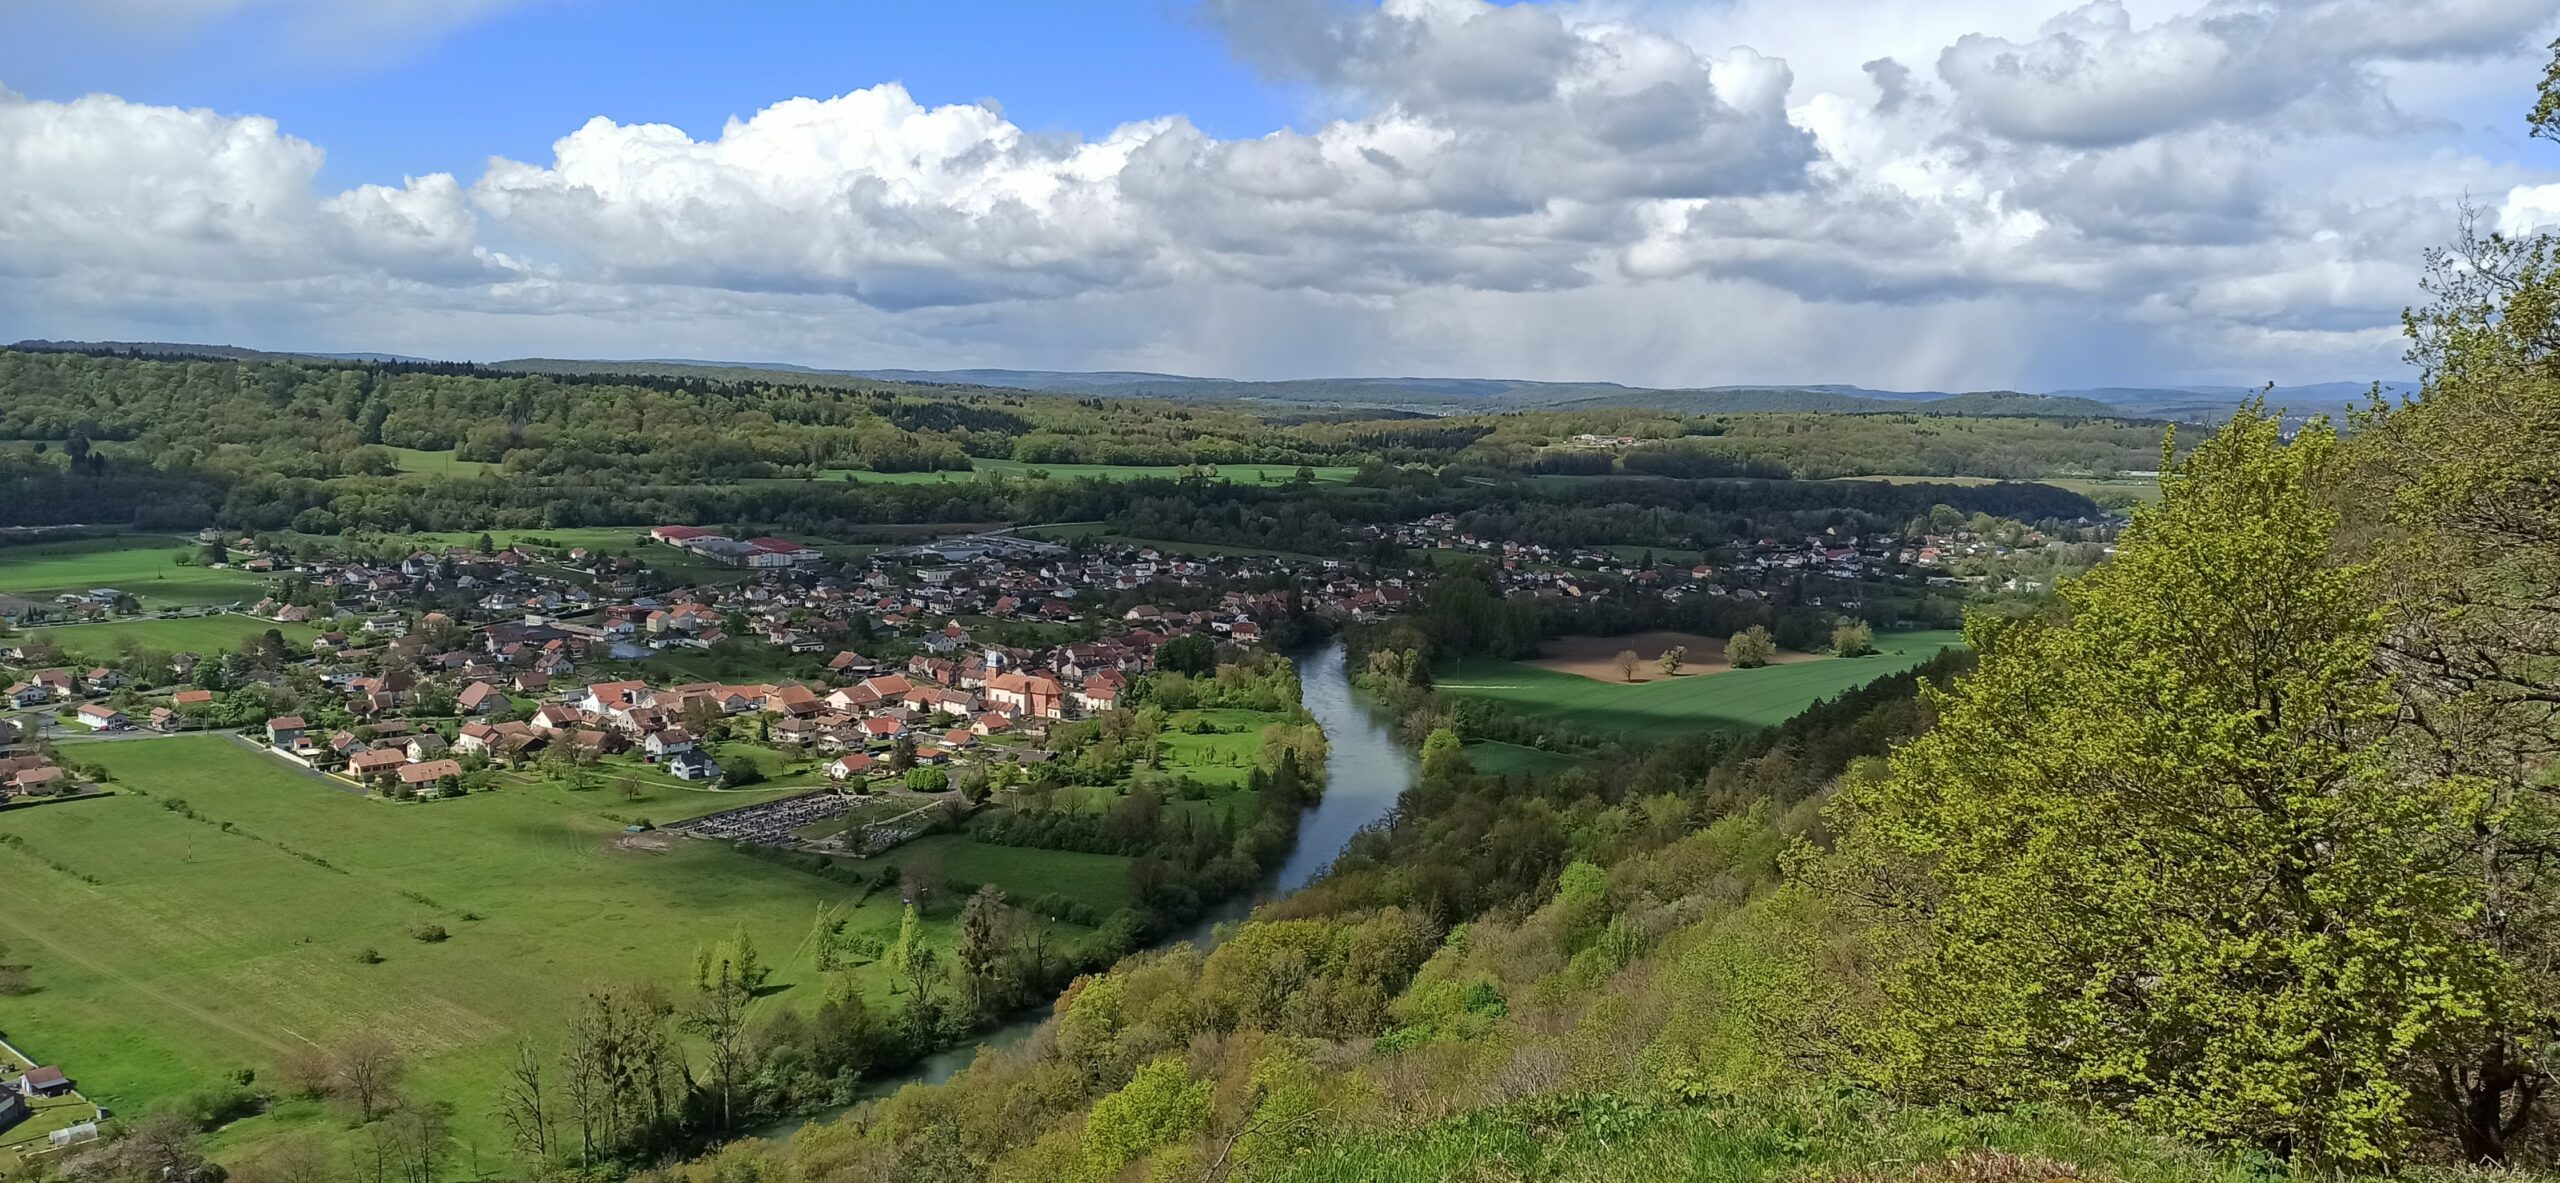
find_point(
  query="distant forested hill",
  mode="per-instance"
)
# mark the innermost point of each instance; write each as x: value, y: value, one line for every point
x: 322, y: 445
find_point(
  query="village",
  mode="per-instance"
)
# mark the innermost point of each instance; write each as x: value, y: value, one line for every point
x: 427, y: 676
x: 1981, y: 554
x: 689, y: 655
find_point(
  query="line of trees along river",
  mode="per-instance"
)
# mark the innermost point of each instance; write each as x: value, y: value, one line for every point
x: 1366, y: 772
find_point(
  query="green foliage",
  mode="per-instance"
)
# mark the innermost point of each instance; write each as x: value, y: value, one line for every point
x: 902, y: 955
x: 1444, y: 755
x: 1159, y: 1105
x: 1853, y: 638
x: 1751, y: 648
x: 2154, y: 856
x: 1190, y: 653
x: 1791, y: 1133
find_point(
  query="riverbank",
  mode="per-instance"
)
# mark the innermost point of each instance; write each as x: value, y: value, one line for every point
x: 1366, y: 773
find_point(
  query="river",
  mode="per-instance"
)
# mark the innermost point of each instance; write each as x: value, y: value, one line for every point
x: 1366, y: 771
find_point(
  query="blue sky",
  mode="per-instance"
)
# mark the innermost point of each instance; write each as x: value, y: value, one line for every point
x: 398, y: 106
x: 1959, y: 194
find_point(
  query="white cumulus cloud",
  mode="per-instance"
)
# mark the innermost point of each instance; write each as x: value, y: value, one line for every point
x: 2012, y: 192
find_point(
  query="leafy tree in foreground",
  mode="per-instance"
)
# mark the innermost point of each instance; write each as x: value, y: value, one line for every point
x: 2159, y: 857
x: 2460, y: 491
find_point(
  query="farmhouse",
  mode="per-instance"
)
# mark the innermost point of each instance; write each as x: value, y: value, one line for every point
x: 667, y: 743
x: 430, y: 773
x: 103, y: 718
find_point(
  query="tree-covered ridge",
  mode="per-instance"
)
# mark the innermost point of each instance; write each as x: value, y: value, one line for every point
x: 262, y: 445
x: 211, y: 423
x: 253, y: 416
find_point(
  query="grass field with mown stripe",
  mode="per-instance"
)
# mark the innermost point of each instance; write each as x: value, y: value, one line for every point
x: 198, y: 951
x: 145, y: 565
x: 1668, y: 707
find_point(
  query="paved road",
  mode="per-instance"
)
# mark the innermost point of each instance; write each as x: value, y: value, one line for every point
x: 60, y: 734
x: 269, y: 755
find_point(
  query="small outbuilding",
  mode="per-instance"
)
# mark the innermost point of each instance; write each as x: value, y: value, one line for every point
x: 45, y: 1081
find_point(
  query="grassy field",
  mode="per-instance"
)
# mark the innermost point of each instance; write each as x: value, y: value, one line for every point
x: 194, y: 634
x: 145, y: 565
x: 1226, y: 758
x: 1223, y: 760
x: 416, y: 462
x: 2144, y: 489
x: 1242, y: 474
x: 1099, y: 881
x: 616, y: 540
x: 1504, y: 759
x: 1675, y: 706
x: 669, y: 798
x: 2141, y: 489
x: 174, y: 951
x: 610, y: 539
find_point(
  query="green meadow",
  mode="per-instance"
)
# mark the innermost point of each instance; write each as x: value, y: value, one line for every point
x: 2143, y: 489
x: 616, y: 540
x: 171, y: 950
x: 1668, y: 707
x: 103, y: 641
x: 417, y: 462
x: 1223, y: 760
x: 1508, y: 759
x: 1241, y: 474
x: 1098, y: 881
x: 144, y: 564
